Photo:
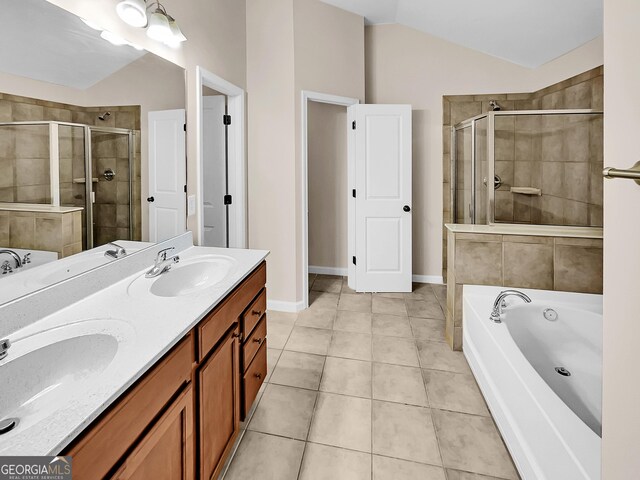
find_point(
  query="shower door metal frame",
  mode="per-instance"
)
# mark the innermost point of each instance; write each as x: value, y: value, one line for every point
x: 491, y: 126
x: 54, y: 166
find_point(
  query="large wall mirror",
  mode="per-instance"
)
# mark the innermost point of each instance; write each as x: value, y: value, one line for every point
x: 74, y: 133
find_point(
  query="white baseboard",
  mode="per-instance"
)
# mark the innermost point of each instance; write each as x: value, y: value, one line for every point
x: 279, y: 306
x: 328, y: 271
x: 428, y: 279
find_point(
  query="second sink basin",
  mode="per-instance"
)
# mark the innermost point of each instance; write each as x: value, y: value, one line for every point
x: 190, y: 276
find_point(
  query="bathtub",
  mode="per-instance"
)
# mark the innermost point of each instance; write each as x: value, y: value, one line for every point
x: 550, y: 422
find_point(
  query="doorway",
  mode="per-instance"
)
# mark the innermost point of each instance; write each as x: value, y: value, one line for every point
x: 337, y: 102
x: 221, y: 171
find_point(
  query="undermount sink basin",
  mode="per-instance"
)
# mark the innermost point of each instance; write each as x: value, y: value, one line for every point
x: 42, y: 371
x: 188, y: 277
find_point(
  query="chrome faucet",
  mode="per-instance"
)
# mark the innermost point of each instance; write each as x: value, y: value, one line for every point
x: 500, y: 303
x: 117, y: 253
x: 162, y: 263
x: 5, y: 344
x: 15, y: 256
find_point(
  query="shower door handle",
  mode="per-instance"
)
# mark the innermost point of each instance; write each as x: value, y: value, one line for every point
x: 151, y: 199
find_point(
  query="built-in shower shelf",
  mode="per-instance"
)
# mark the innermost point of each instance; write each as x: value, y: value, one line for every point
x: 82, y: 180
x: 526, y: 190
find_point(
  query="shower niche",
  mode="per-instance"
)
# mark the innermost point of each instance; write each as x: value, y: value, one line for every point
x: 539, y: 167
x: 67, y: 164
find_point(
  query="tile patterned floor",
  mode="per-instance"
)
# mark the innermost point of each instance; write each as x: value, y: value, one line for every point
x: 362, y: 386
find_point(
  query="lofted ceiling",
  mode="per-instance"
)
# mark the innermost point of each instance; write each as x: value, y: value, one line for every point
x: 44, y: 42
x: 526, y: 32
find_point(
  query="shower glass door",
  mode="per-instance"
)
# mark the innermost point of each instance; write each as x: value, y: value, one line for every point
x: 463, y: 193
x: 111, y: 166
x: 72, y: 167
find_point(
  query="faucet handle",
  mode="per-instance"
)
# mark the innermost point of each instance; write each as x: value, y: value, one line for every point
x: 26, y: 258
x: 162, y: 254
x: 6, y: 267
x: 5, y: 344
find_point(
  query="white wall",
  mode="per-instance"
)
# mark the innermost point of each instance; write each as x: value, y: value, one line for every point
x: 404, y: 65
x: 621, y: 329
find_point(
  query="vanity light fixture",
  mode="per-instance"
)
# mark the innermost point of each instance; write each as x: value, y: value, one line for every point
x: 133, y: 12
x: 160, y: 26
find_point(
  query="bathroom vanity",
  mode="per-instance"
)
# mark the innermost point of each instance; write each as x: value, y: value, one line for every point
x: 190, y: 404
x: 137, y: 375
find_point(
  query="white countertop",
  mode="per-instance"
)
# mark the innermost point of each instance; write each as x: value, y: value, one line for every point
x: 39, y: 208
x: 530, y: 230
x: 146, y: 327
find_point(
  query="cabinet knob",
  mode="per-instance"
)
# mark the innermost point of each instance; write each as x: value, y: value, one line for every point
x: 257, y: 340
x: 258, y: 376
x: 236, y: 335
x: 256, y: 312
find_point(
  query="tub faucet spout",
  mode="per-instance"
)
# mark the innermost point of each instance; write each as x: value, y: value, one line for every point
x: 500, y: 303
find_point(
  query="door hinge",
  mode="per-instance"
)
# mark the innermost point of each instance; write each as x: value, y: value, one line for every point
x: 228, y: 199
x: 185, y: 189
x: 353, y: 259
x: 226, y: 119
x: 353, y: 193
x: 184, y: 126
x: 353, y: 125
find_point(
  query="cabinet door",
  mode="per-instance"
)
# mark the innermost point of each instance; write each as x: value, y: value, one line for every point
x: 167, y: 451
x: 219, y: 410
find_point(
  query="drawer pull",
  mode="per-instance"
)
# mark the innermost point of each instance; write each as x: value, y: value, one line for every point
x: 257, y: 340
x: 258, y: 375
x: 237, y: 335
x: 257, y: 313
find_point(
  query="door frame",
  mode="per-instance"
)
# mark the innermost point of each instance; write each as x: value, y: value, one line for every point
x: 310, y: 96
x: 237, y: 162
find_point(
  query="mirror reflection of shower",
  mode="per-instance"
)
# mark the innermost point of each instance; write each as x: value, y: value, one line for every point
x: 104, y: 116
x: 493, y: 105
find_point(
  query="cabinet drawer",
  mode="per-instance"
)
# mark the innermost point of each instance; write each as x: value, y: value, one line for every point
x: 104, y: 443
x: 254, y: 313
x: 253, y: 378
x: 217, y: 323
x: 254, y: 342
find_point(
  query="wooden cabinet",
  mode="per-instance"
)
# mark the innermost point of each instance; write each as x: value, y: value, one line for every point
x: 166, y: 452
x: 181, y: 419
x: 219, y: 410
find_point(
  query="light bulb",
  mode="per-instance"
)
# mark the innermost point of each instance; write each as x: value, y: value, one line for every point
x: 159, y: 27
x: 133, y: 12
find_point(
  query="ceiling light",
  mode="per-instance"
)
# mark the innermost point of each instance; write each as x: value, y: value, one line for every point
x: 159, y: 28
x: 113, y: 38
x: 133, y: 12
x: 91, y: 24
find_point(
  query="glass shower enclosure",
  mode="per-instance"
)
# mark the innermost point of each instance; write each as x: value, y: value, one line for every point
x: 531, y: 167
x: 76, y: 165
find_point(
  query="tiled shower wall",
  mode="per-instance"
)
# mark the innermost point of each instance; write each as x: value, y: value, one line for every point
x: 24, y: 152
x: 581, y: 91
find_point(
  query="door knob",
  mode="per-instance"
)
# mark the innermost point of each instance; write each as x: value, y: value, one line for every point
x: 406, y: 208
x: 151, y: 199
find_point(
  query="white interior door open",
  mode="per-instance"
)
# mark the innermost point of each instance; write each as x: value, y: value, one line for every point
x: 214, y: 172
x: 381, y: 146
x: 167, y: 175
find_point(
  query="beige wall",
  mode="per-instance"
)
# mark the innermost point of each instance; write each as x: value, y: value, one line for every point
x: 328, y: 188
x: 621, y: 336
x: 407, y: 66
x: 291, y: 46
x: 217, y: 44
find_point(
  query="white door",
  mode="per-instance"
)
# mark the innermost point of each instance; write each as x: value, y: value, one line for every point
x: 382, y: 139
x: 214, y: 172
x: 167, y: 175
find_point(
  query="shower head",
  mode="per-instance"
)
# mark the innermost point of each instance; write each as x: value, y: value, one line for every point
x: 104, y: 116
x: 493, y: 105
